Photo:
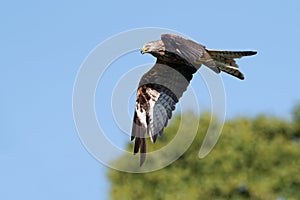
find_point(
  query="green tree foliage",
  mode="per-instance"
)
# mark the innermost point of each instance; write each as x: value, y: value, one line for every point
x: 296, y: 119
x: 257, y: 158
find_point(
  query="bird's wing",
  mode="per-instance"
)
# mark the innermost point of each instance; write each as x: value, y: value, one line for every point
x: 192, y: 52
x: 159, y: 90
x: 185, y: 48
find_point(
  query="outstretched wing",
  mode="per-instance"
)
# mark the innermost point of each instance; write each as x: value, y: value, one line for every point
x: 193, y: 53
x: 183, y: 47
x: 159, y: 90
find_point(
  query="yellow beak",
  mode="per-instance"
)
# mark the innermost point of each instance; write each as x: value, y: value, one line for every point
x: 144, y: 50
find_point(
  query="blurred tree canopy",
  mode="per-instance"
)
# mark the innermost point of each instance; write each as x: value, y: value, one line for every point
x: 254, y: 158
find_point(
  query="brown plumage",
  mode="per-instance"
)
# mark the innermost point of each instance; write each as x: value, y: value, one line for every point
x: 225, y: 60
x: 162, y: 86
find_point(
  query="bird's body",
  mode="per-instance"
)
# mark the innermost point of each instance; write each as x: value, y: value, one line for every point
x: 161, y: 87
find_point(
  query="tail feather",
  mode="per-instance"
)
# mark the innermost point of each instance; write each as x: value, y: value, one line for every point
x: 224, y: 61
x: 230, y: 54
x: 227, y: 57
x: 234, y: 71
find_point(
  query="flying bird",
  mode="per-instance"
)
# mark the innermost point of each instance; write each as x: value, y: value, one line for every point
x: 178, y: 58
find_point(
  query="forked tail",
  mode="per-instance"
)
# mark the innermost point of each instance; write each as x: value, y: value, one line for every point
x: 224, y: 61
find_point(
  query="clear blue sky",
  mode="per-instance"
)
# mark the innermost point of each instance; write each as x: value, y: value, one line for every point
x: 43, y: 44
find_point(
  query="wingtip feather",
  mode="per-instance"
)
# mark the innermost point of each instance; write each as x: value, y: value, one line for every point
x: 142, y: 151
x: 132, y: 138
x: 137, y: 144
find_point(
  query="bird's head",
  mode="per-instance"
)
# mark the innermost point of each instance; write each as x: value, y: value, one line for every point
x: 156, y: 48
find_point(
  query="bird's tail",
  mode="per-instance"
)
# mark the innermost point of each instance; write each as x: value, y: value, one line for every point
x: 219, y: 54
x: 234, y: 71
x: 224, y: 61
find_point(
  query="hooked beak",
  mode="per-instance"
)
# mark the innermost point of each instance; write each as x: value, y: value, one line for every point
x: 144, y: 50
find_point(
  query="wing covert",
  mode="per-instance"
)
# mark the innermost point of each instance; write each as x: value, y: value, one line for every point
x: 186, y: 49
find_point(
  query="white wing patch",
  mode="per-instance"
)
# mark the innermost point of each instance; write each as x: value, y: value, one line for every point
x: 154, y: 95
x: 143, y: 110
x: 178, y: 51
x: 141, y: 114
